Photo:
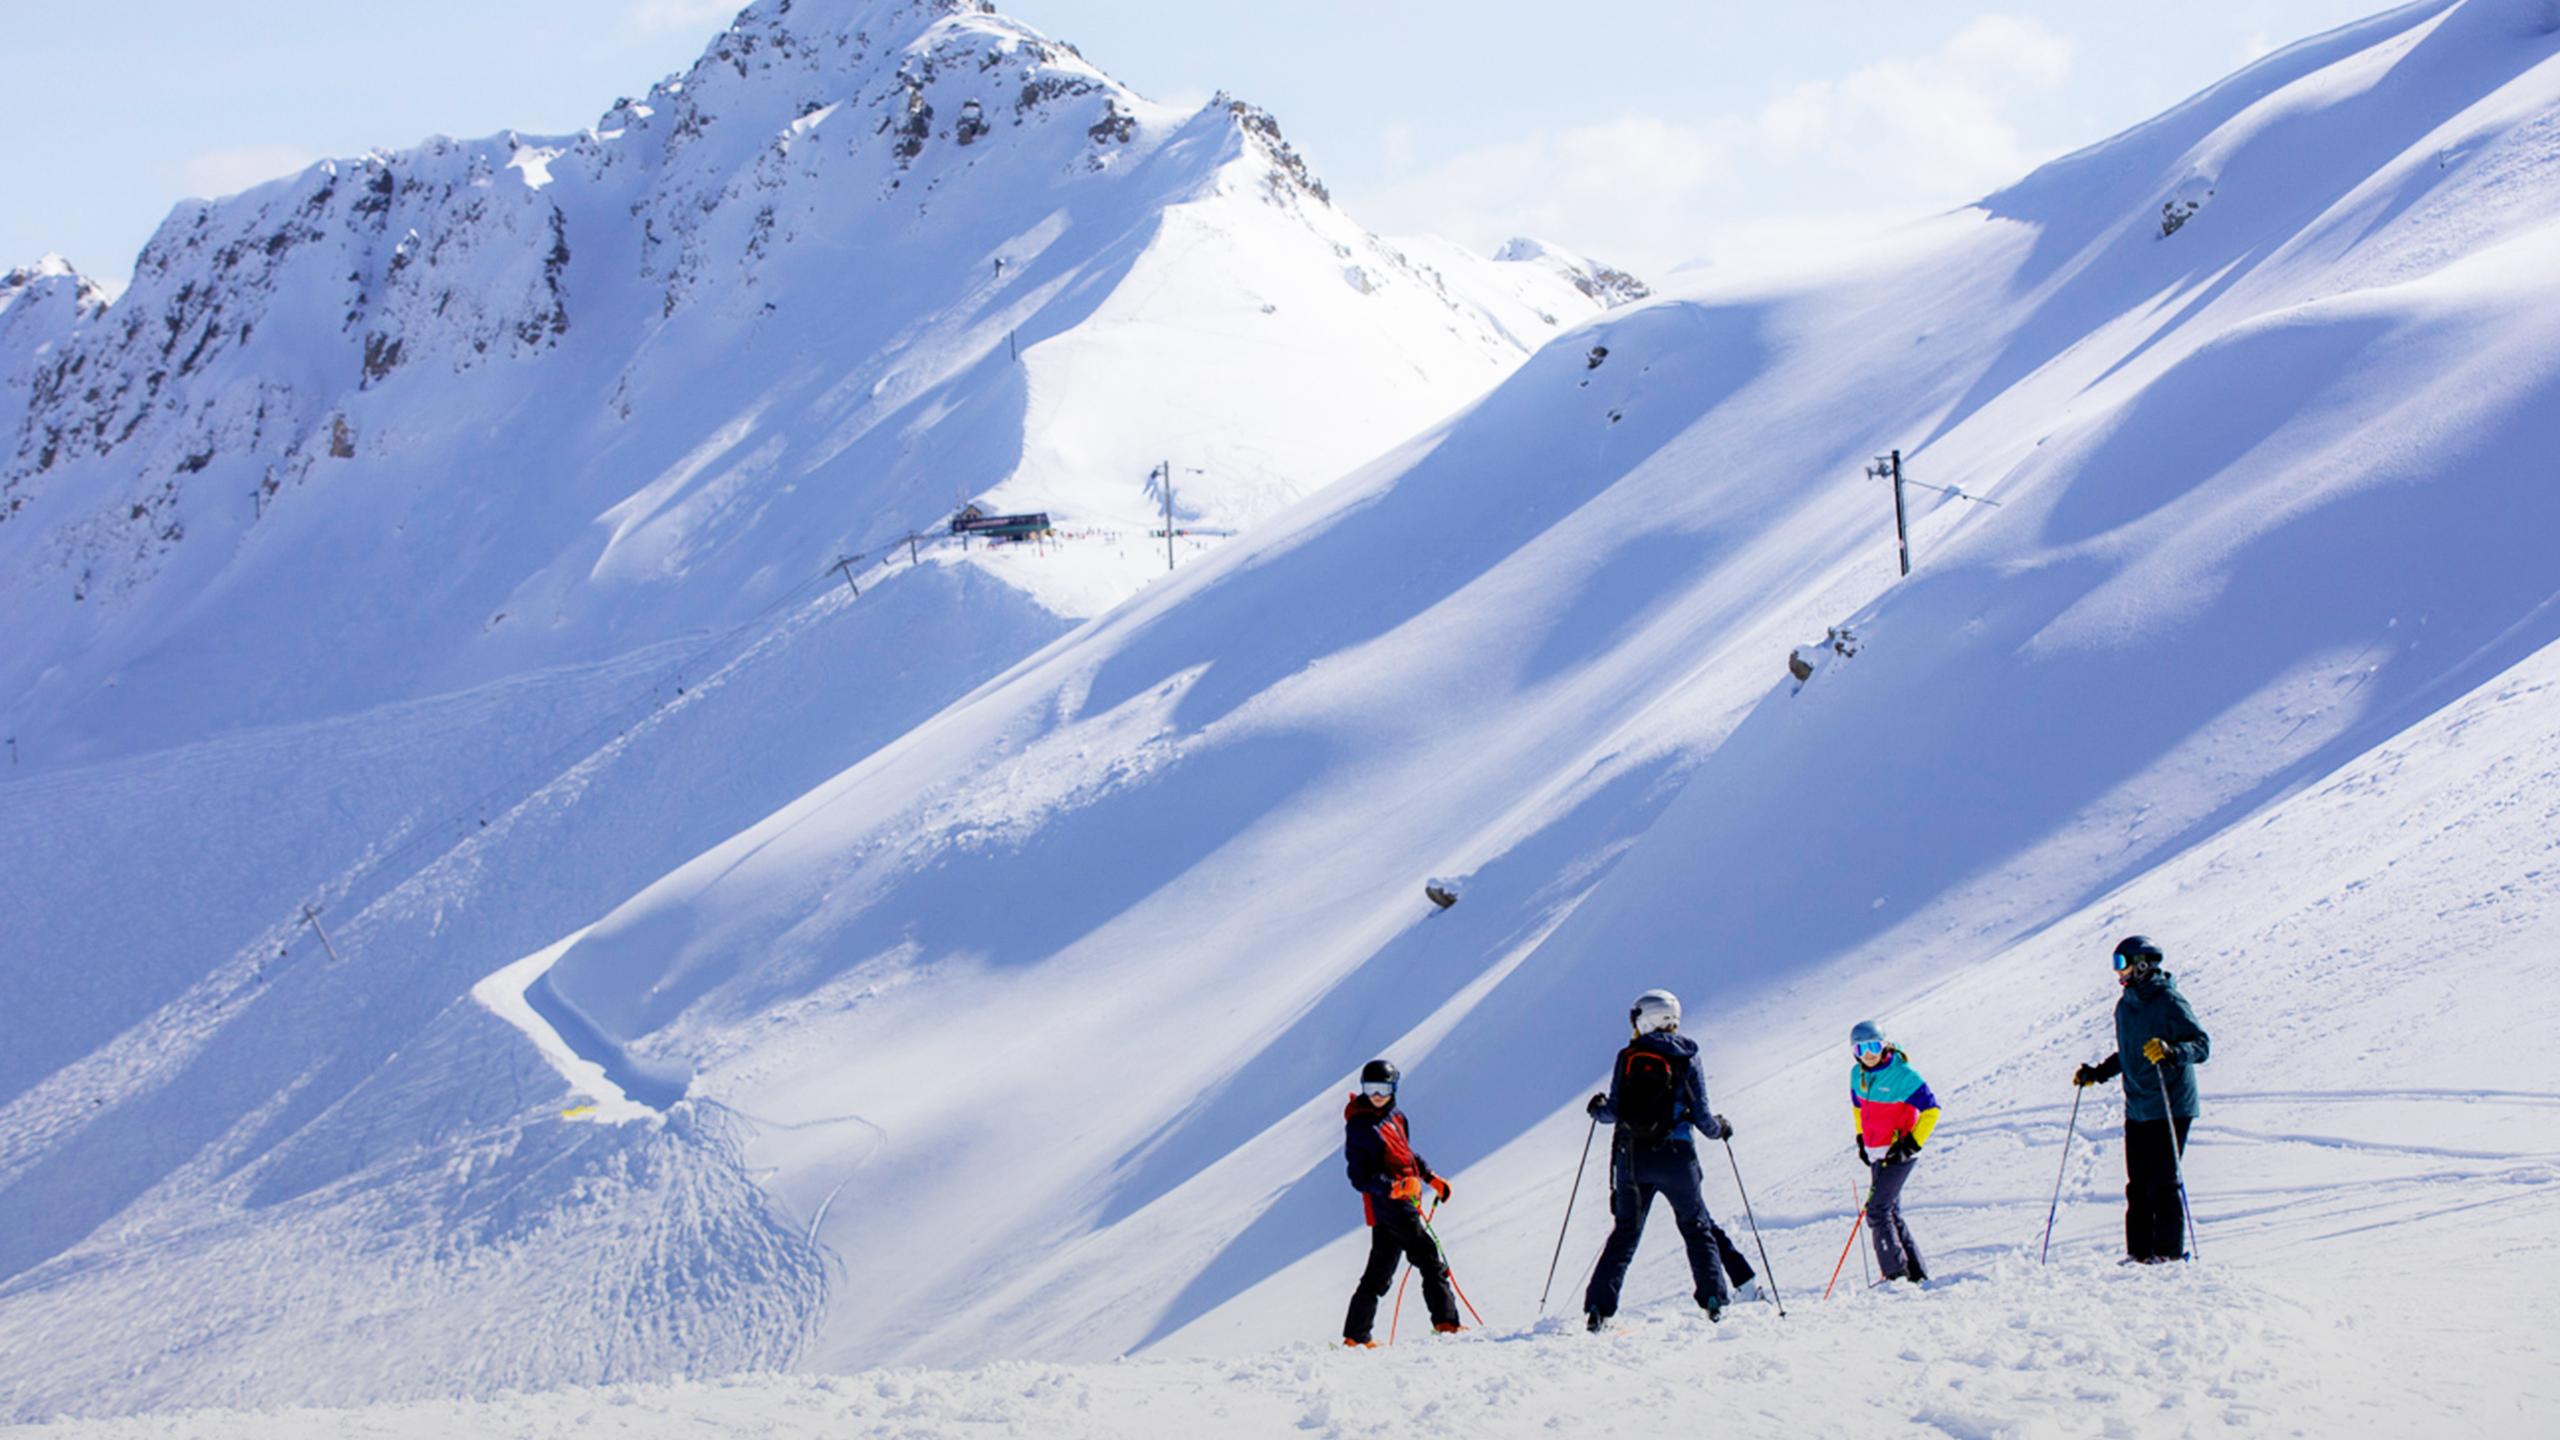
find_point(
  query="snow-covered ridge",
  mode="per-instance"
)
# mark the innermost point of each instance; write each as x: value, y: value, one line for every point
x: 1597, y: 279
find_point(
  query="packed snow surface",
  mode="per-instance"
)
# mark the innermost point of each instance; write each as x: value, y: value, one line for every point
x: 922, y: 981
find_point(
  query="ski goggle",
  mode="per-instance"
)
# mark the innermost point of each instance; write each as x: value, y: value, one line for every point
x: 2126, y: 962
x: 1869, y: 1049
x: 1378, y: 1089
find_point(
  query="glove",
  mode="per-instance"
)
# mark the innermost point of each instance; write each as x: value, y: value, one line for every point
x: 1598, y: 1104
x: 2085, y: 1076
x: 2155, y: 1050
x: 1724, y: 1127
x: 1901, y: 1152
x: 1408, y: 1190
x: 1859, y: 1148
x: 1440, y: 1188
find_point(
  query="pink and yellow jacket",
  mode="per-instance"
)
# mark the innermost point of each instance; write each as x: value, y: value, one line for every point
x: 1891, y: 1100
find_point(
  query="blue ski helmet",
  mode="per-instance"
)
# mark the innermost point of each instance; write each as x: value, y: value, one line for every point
x: 1865, y: 1030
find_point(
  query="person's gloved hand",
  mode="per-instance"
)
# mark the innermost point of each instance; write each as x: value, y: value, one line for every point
x: 2155, y: 1050
x: 1440, y: 1188
x: 1858, y: 1148
x: 1598, y: 1104
x: 1724, y: 1127
x: 2085, y: 1076
x: 1902, y: 1151
x: 1408, y: 1189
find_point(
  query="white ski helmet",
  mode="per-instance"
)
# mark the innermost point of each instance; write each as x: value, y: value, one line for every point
x: 1655, y: 1010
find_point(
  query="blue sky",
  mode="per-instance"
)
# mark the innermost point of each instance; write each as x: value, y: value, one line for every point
x: 1647, y: 131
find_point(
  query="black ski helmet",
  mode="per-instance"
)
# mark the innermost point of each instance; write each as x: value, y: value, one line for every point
x: 1379, y: 1072
x: 2136, y: 953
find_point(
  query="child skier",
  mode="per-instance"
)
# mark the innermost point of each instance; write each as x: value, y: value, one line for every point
x: 1894, y: 1111
x: 2158, y: 1046
x: 1377, y: 1152
x: 1656, y: 1097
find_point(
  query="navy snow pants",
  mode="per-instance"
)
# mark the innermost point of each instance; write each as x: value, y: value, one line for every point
x: 1896, y: 1255
x: 1635, y: 1177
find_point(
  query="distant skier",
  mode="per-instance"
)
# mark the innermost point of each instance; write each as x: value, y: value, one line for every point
x: 1894, y: 1112
x: 1377, y: 1151
x: 1656, y: 1097
x: 2158, y: 1046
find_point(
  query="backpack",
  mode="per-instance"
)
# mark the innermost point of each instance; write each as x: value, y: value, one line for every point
x: 1648, y: 1095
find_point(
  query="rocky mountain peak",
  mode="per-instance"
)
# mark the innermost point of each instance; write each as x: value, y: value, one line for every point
x: 1608, y: 284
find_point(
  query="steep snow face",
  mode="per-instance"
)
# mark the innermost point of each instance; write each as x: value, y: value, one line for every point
x: 1115, y: 929
x: 431, y: 549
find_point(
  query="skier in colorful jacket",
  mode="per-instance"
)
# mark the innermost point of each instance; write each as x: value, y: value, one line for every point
x: 1894, y: 1112
x: 1378, y: 1154
x: 2158, y: 1046
x: 1657, y: 1100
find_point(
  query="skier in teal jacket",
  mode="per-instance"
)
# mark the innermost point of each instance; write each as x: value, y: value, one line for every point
x: 2158, y: 1046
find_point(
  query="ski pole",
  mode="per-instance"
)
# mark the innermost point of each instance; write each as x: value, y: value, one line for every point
x: 1450, y: 1270
x: 2056, y: 1208
x: 1755, y: 1228
x: 1854, y: 1227
x: 1570, y: 1197
x: 1863, y: 1272
x: 1463, y: 1300
x: 2177, y: 1161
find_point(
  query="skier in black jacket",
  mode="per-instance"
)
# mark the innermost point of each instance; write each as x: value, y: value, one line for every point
x: 1656, y: 1099
x: 1378, y: 1154
x: 2158, y: 1046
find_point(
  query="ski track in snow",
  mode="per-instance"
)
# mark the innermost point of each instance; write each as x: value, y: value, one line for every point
x: 2004, y: 1348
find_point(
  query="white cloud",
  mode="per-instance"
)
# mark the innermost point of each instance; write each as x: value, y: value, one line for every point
x: 1931, y: 126
x: 217, y: 173
x: 1637, y: 180
x: 657, y: 17
x: 1820, y: 165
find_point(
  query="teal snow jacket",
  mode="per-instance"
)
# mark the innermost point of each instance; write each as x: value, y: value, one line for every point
x: 2146, y: 1009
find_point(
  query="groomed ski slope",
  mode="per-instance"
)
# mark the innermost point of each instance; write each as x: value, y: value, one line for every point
x: 2375, y: 1256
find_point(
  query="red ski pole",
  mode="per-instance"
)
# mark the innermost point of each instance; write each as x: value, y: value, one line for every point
x: 1854, y: 1227
x: 1463, y: 1300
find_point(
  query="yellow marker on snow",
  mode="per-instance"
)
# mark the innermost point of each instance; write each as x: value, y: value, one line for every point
x: 574, y: 1111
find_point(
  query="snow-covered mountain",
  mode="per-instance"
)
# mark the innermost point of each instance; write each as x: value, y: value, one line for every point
x: 446, y: 539
x: 867, y: 259
x: 1023, y: 1033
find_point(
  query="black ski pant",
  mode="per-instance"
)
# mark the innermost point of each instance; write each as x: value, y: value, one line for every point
x: 2155, y: 1221
x: 1636, y: 1175
x: 1896, y: 1255
x: 1397, y: 1234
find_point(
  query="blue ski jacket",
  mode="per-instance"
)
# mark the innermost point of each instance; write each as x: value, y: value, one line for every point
x: 2151, y: 1009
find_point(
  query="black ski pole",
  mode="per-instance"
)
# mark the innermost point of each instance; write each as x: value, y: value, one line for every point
x: 1570, y: 1197
x: 1771, y: 1275
x: 2056, y: 1207
x: 2177, y: 1161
